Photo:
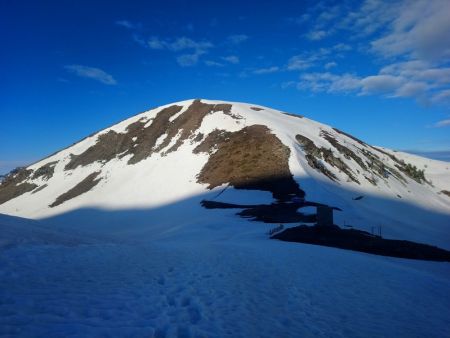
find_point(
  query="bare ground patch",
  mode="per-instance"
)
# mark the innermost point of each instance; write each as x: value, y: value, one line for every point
x: 84, y: 186
x: 13, y: 185
x: 211, y: 142
x: 251, y: 158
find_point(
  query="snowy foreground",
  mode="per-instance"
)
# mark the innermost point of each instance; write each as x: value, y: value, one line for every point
x: 227, y: 283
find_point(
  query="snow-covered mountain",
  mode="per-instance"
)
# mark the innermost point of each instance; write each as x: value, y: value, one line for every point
x: 190, y: 150
x: 108, y: 237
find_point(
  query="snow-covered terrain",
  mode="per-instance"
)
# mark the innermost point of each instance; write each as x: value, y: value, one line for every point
x: 115, y: 241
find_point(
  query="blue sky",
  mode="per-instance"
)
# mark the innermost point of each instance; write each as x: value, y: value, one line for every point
x: 377, y: 69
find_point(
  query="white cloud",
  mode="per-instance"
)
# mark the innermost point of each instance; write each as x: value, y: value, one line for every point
x: 316, y: 35
x: 91, y: 73
x: 328, y: 82
x: 443, y: 123
x: 412, y: 89
x: 155, y: 43
x: 188, y: 60
x: 186, y: 43
x: 380, y: 84
x: 268, y: 70
x: 442, y: 97
x: 330, y: 65
x: 299, y: 62
x: 211, y: 63
x: 231, y: 59
x: 193, y: 49
x: 127, y: 24
x: 237, y: 39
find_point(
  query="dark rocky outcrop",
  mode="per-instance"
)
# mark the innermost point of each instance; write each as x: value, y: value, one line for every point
x: 140, y: 141
x: 348, y: 154
x: 14, y: 185
x: 314, y: 155
x: 445, y: 192
x: 350, y: 136
x: 42, y: 187
x: 84, y: 186
x: 187, y: 123
x: 251, y: 158
x: 46, y: 171
x: 137, y: 141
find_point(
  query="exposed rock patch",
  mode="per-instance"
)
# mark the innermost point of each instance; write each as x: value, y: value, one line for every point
x: 350, y: 136
x: 140, y: 140
x: 39, y: 188
x: 445, y: 192
x: 12, y: 191
x: 187, y: 123
x: 146, y: 140
x: 84, y: 186
x: 256, y: 108
x: 46, y: 171
x: 13, y: 184
x: 251, y: 158
x: 314, y: 154
x: 294, y: 115
x: 406, y: 168
x: 211, y: 142
x: 137, y: 140
x: 348, y: 154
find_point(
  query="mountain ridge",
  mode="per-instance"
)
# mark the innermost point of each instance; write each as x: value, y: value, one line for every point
x: 189, y: 147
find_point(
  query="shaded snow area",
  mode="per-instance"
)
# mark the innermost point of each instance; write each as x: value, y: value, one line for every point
x: 229, y: 288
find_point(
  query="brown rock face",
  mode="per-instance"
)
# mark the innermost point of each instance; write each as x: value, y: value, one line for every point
x: 251, y: 158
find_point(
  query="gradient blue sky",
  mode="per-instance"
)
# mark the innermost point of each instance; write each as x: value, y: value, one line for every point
x: 377, y: 69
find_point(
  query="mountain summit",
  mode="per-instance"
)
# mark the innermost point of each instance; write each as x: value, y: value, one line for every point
x: 234, y: 152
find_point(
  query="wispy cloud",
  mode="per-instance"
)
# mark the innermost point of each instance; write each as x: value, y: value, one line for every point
x: 316, y: 34
x: 231, y: 59
x: 188, y: 60
x: 314, y: 58
x: 237, y: 39
x: 211, y: 63
x: 127, y: 24
x: 91, y: 73
x: 299, y: 62
x: 443, y: 123
x: 192, y: 49
x: 268, y: 70
x: 330, y: 65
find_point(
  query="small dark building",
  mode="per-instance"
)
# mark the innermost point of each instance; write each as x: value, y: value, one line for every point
x: 324, y: 216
